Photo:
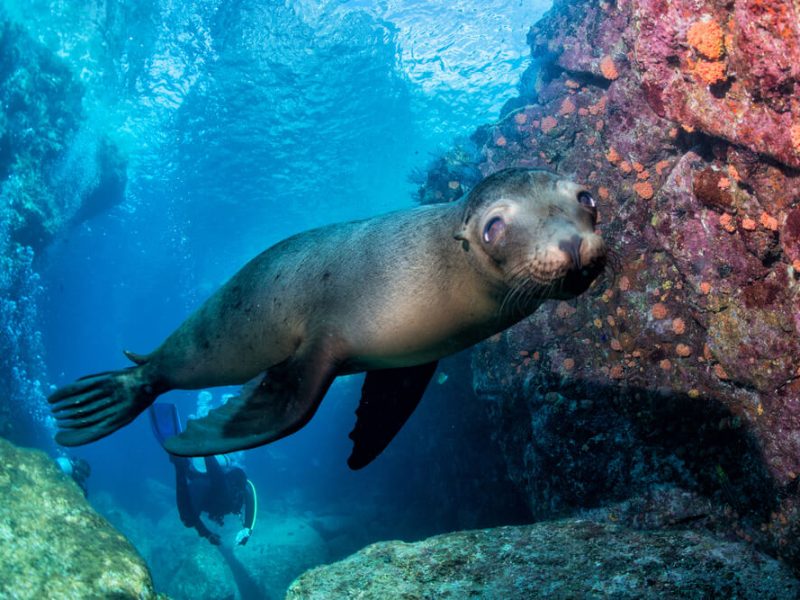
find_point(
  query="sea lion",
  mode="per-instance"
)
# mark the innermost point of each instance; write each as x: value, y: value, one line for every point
x: 390, y: 295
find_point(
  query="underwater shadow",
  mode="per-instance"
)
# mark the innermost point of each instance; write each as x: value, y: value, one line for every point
x: 249, y: 588
x: 591, y: 444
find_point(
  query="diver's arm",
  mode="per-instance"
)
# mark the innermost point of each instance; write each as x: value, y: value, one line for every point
x: 206, y: 532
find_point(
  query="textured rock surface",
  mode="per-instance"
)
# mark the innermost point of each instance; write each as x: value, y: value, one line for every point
x: 675, y: 384
x: 47, y: 180
x: 561, y: 559
x: 52, y: 544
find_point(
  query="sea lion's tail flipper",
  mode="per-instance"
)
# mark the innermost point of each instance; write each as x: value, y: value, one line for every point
x: 388, y: 398
x: 97, y: 405
x: 268, y: 408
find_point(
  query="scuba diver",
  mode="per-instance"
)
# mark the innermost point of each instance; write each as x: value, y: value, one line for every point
x: 78, y: 469
x: 209, y: 484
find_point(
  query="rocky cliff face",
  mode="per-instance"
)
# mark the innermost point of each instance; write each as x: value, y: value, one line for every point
x: 675, y: 383
x: 52, y: 174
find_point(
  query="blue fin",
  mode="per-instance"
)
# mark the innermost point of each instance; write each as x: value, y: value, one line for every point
x: 165, y: 421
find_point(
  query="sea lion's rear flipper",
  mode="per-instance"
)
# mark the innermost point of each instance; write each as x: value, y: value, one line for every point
x: 268, y: 408
x: 97, y: 405
x: 388, y: 398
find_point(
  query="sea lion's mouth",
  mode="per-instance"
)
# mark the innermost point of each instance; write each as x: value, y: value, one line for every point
x: 532, y: 286
x: 578, y: 280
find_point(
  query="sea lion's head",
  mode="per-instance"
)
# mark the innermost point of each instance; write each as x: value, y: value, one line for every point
x: 532, y: 233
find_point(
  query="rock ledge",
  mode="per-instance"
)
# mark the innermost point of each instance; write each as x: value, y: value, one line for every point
x: 556, y: 559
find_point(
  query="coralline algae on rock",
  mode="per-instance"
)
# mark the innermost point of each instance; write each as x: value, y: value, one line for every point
x: 560, y: 559
x: 53, y: 544
x: 683, y: 368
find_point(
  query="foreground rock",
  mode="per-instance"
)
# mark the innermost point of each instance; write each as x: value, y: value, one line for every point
x: 52, y: 544
x: 562, y: 559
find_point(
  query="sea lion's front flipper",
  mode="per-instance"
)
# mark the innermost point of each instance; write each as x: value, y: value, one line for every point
x: 267, y: 409
x: 97, y: 405
x: 388, y: 398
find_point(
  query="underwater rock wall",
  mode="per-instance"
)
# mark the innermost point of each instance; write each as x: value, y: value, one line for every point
x: 54, y: 545
x: 47, y: 181
x: 671, y: 393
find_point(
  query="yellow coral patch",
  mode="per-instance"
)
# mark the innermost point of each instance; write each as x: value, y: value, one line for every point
x: 659, y: 311
x: 707, y: 38
x: 608, y: 68
x: 643, y: 189
x: 794, y: 132
x: 548, y: 124
x: 710, y: 71
x: 768, y: 221
x: 567, y: 107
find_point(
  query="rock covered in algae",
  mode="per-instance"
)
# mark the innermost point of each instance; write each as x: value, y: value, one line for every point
x: 52, y: 543
x: 680, y: 368
x: 559, y: 559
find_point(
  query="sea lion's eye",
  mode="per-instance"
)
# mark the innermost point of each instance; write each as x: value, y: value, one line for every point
x: 588, y: 203
x: 494, y: 228
x: 586, y: 199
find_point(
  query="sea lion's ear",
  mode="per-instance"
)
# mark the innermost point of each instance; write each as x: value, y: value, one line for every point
x: 461, y: 236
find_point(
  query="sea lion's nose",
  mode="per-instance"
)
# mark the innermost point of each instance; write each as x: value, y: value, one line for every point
x: 572, y: 248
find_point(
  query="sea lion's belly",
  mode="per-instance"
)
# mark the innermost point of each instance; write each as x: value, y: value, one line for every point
x: 416, y: 326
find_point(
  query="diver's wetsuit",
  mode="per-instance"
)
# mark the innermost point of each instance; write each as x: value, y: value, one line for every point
x: 217, y: 492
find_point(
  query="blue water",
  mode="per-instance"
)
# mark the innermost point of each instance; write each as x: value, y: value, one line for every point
x: 245, y: 122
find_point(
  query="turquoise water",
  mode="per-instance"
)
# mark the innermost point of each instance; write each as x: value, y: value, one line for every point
x: 242, y: 123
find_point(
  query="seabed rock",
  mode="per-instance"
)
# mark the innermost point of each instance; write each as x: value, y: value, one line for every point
x: 557, y: 559
x: 53, y: 544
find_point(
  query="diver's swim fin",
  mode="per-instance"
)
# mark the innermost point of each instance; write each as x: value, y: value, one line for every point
x: 268, y: 408
x: 164, y: 421
x: 97, y: 405
x: 388, y: 398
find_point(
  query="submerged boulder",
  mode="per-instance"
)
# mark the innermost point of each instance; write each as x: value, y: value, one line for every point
x: 559, y: 559
x: 52, y: 543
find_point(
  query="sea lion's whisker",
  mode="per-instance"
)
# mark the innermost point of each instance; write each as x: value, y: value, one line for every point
x: 517, y: 278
